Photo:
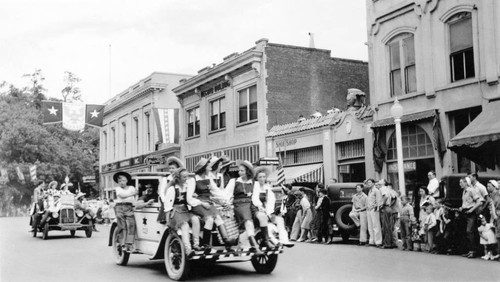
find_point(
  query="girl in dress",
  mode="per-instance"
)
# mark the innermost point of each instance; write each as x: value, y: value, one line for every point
x: 205, y: 188
x: 264, y: 200
x: 173, y: 164
x: 307, y: 216
x: 178, y: 214
x: 241, y: 190
x: 488, y: 239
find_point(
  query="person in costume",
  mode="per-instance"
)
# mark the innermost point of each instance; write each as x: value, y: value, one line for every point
x: 178, y: 215
x: 124, y: 210
x: 173, y: 164
x: 264, y: 200
x: 204, y: 187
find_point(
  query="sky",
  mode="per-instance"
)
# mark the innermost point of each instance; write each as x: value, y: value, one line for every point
x: 132, y: 39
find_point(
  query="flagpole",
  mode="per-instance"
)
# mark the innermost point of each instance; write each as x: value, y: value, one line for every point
x: 109, y: 94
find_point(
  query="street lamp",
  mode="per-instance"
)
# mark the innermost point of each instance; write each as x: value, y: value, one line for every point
x: 397, y: 113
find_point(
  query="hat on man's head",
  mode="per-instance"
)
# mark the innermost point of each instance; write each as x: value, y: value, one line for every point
x: 248, y: 165
x: 201, y: 165
x: 79, y: 195
x: 494, y: 183
x: 175, y: 160
x: 263, y: 169
x: 225, y: 161
x: 121, y: 173
x: 53, y: 184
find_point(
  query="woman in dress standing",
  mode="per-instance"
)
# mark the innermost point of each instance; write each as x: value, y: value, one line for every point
x: 205, y: 188
x: 264, y: 199
x: 178, y: 214
x: 305, y: 227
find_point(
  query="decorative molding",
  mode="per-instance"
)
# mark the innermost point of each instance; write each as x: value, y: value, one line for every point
x: 457, y: 9
x: 402, y: 29
x: 256, y: 68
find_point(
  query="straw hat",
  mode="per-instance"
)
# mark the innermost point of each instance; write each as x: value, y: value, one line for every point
x: 202, y: 164
x: 225, y: 161
x: 214, y: 162
x: 175, y: 160
x: 260, y: 169
x: 248, y: 165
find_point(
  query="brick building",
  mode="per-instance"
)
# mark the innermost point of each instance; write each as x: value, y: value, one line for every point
x: 441, y: 59
x: 228, y: 108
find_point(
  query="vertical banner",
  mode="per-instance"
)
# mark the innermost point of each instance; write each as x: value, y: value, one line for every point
x: 52, y: 112
x: 20, y: 174
x: 94, y: 115
x: 167, y: 123
x: 281, y: 172
x: 33, y: 172
x: 73, y: 116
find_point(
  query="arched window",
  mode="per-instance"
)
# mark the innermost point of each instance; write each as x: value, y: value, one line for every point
x: 416, y: 143
x: 402, y: 73
x: 461, y: 46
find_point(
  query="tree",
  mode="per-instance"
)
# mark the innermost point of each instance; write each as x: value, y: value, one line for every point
x: 71, y: 92
x: 35, y: 89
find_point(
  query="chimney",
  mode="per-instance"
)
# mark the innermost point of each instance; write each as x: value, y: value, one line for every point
x: 311, y: 40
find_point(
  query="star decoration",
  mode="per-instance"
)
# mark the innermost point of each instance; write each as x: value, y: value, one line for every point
x: 94, y: 114
x: 180, y: 198
x: 145, y: 221
x: 53, y: 111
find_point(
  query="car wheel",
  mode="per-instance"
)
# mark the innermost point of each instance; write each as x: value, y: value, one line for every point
x: 342, y: 218
x: 45, y: 233
x: 177, y: 263
x: 121, y: 256
x: 88, y: 230
x: 345, y: 236
x: 264, y: 264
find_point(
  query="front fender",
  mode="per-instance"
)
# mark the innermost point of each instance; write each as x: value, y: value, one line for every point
x: 159, y: 251
x: 111, y: 231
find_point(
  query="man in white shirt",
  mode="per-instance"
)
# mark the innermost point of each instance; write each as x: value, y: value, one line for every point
x: 433, y: 186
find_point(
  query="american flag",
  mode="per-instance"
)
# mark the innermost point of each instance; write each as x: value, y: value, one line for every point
x: 281, y: 172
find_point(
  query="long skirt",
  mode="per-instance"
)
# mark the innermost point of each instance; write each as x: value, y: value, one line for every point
x: 178, y: 216
x: 307, y: 219
x: 204, y: 213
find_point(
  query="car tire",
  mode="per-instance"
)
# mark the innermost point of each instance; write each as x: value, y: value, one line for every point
x: 45, y: 233
x: 263, y: 264
x: 342, y: 218
x: 177, y: 263
x: 88, y: 230
x: 121, y: 256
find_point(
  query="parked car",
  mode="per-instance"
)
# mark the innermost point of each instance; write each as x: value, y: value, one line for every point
x: 450, y: 187
x: 159, y: 242
x: 340, y: 195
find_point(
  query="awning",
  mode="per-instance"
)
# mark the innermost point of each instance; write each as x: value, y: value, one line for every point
x: 405, y: 118
x: 480, y: 140
x: 303, y: 173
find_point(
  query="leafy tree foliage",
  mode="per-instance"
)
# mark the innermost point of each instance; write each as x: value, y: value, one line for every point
x: 71, y: 92
x: 25, y: 141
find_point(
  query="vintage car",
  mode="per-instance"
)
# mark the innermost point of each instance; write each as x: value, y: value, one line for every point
x: 159, y: 242
x: 340, y: 195
x: 66, y: 219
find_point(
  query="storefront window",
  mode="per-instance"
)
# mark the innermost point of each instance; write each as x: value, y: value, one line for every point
x: 418, y: 158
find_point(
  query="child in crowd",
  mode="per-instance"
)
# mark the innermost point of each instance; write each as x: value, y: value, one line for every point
x: 439, y: 213
x: 406, y: 218
x: 487, y: 239
x: 497, y: 231
x: 429, y: 227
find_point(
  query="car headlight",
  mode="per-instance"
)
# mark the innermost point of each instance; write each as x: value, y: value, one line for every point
x: 55, y: 214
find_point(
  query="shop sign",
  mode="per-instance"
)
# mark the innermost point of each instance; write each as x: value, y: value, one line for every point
x: 115, y: 166
x: 89, y: 179
x: 137, y: 160
x: 286, y: 142
x: 125, y: 163
x: 407, y: 166
x: 154, y: 160
x: 269, y: 161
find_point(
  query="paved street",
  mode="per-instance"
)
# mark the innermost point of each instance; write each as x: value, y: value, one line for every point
x: 61, y: 258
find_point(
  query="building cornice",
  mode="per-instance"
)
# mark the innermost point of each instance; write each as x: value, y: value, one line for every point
x: 131, y: 96
x: 252, y: 57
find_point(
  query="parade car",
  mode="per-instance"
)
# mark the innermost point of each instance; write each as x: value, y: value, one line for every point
x: 159, y: 242
x: 66, y: 219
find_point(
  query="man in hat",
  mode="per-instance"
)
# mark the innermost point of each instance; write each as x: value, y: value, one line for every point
x: 84, y: 207
x: 54, y: 206
x: 124, y: 210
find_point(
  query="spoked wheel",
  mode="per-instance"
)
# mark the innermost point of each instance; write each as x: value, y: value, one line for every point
x: 88, y: 230
x: 45, y: 233
x: 176, y: 261
x: 121, y: 257
x: 72, y: 233
x: 264, y: 264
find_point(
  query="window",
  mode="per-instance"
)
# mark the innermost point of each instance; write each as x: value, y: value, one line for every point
x: 416, y: 143
x: 193, y: 118
x: 461, y: 47
x: 136, y: 131
x: 124, y: 126
x: 247, y: 102
x: 403, y: 74
x: 217, y: 114
x: 105, y: 141
x: 351, y: 149
x: 302, y: 156
x: 148, y: 133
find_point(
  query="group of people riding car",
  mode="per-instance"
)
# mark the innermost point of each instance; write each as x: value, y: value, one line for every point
x: 195, y: 201
x: 47, y: 201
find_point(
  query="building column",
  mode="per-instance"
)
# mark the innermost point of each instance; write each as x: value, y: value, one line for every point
x: 329, y: 166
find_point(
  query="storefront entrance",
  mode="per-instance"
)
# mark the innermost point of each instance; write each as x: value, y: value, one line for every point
x: 418, y: 158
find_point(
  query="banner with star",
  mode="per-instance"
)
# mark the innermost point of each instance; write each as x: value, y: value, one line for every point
x: 52, y: 112
x: 94, y: 115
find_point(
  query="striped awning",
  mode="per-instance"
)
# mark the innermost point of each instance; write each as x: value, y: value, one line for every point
x: 406, y: 118
x: 303, y: 173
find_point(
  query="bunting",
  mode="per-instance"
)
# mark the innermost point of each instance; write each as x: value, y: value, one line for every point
x: 74, y: 116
